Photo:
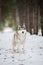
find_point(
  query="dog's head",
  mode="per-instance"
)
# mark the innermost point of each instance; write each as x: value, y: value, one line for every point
x: 22, y: 32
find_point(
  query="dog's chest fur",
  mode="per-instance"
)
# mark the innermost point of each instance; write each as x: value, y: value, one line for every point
x: 19, y: 37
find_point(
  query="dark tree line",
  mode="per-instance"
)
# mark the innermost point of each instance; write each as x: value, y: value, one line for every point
x: 26, y: 12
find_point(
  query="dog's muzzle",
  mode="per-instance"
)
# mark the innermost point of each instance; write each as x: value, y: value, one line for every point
x: 22, y: 31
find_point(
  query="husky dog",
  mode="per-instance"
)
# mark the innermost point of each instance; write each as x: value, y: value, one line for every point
x: 19, y: 39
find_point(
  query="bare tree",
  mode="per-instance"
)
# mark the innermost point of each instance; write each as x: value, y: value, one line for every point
x: 30, y: 17
x: 41, y: 12
x: 35, y: 17
x: 0, y: 14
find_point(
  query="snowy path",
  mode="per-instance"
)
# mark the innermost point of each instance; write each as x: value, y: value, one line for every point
x: 33, y: 50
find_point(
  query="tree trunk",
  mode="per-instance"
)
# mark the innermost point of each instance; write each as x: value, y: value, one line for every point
x: 0, y: 14
x: 14, y: 14
x: 30, y: 17
x: 17, y: 16
x: 3, y: 15
x: 0, y: 10
x: 41, y: 12
x: 35, y: 18
x: 21, y: 16
x: 26, y: 17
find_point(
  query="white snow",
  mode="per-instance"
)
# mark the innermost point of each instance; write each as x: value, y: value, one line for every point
x: 33, y: 50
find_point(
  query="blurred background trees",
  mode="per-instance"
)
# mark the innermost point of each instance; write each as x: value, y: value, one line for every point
x: 22, y: 12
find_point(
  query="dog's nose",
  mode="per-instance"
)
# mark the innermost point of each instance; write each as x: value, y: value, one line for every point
x: 22, y: 31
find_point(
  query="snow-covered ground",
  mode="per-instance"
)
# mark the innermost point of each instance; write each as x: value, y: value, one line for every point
x: 33, y: 50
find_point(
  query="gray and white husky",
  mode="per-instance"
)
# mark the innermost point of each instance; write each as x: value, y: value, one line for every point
x: 19, y: 39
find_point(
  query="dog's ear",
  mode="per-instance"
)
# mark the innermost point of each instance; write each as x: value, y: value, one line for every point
x: 14, y: 35
x: 24, y: 26
x: 19, y: 27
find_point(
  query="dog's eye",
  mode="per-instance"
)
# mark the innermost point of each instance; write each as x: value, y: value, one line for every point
x: 22, y: 31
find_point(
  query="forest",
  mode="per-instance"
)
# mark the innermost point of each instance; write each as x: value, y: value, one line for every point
x: 22, y: 12
x: 21, y: 32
